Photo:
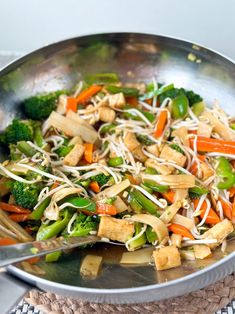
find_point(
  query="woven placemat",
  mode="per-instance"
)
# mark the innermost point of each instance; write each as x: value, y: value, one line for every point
x: 207, y: 300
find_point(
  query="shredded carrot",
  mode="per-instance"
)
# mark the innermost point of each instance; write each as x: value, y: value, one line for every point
x: 178, y: 229
x: 232, y: 191
x: 212, y: 217
x: 107, y: 209
x: 14, y: 208
x: 205, y: 144
x: 149, y: 101
x: 88, y: 93
x: 7, y: 241
x: 95, y: 186
x: 33, y: 260
x: 131, y: 179
x: 192, y: 131
x: 169, y: 196
x: 233, y: 207
x: 227, y: 208
x: 19, y: 217
x: 71, y: 104
x: 133, y: 101
x: 55, y: 185
x: 194, y: 167
x: 161, y: 123
x: 88, y: 152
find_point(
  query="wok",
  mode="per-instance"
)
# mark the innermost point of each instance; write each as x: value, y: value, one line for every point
x: 135, y: 57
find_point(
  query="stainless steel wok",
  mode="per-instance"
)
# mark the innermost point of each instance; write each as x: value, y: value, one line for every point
x: 135, y: 57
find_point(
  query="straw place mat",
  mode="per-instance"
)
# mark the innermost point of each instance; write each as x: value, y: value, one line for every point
x: 207, y: 300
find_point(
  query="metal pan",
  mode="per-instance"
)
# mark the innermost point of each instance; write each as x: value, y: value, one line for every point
x: 135, y: 57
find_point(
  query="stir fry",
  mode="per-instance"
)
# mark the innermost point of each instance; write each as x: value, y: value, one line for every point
x: 147, y: 165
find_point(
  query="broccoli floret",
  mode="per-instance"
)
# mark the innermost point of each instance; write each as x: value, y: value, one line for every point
x: 174, y: 92
x: 39, y: 107
x: 18, y: 131
x: 25, y: 195
x: 144, y: 139
x: 101, y: 179
x: 83, y: 225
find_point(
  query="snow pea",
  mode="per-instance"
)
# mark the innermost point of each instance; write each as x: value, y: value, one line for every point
x: 127, y: 91
x: 179, y: 107
x: 148, y: 205
x: 38, y: 212
x: 82, y: 203
x: 225, y: 172
x: 156, y: 187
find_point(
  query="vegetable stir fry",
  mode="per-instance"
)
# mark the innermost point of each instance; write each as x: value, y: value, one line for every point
x: 146, y: 165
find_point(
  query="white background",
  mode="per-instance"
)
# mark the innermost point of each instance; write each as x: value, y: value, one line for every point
x: 28, y: 24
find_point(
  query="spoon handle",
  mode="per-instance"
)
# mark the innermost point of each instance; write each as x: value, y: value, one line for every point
x: 19, y: 252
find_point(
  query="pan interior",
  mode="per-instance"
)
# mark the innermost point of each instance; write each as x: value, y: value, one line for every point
x: 136, y: 58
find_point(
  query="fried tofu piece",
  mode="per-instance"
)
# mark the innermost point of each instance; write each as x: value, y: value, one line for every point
x: 162, y: 169
x: 74, y: 156
x: 115, y: 229
x: 76, y: 140
x: 170, y: 154
x: 62, y: 103
x: 219, y: 232
x: 117, y: 100
x: 106, y: 114
x: 139, y: 155
x: 153, y: 149
x: 176, y: 240
x: 131, y: 141
x: 201, y: 251
x: 167, y: 257
x: 206, y: 170
x: 90, y: 266
x: 182, y: 134
x: 204, y: 129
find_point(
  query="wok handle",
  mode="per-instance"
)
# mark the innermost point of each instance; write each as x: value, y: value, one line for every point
x: 12, y: 290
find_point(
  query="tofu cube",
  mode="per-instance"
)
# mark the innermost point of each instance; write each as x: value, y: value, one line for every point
x: 170, y: 154
x: 74, y: 155
x: 204, y: 129
x: 106, y: 114
x: 90, y: 266
x: 176, y: 240
x: 219, y: 232
x: 201, y: 251
x: 138, y: 154
x: 117, y: 100
x: 167, y: 257
x: 207, y: 171
x: 153, y: 149
x: 131, y: 141
x: 115, y: 229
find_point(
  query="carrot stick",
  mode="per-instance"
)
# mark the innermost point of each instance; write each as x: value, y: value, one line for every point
x: 88, y: 93
x: 88, y: 152
x: 178, y: 229
x: 14, y: 208
x: 95, y: 186
x: 194, y: 167
x: 33, y: 260
x: 169, y: 196
x: 232, y: 192
x: 233, y: 207
x: 19, y: 217
x: 55, y: 185
x: 7, y: 241
x: 205, y: 144
x: 132, y: 179
x: 227, y: 208
x: 133, y: 101
x: 212, y: 217
x: 107, y: 209
x: 71, y: 104
x: 161, y: 123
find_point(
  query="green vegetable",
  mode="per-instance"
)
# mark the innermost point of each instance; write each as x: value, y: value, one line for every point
x: 179, y: 107
x: 127, y: 91
x: 101, y: 179
x: 25, y: 195
x: 148, y: 205
x: 83, y: 225
x: 46, y: 232
x: 102, y: 78
x: 38, y: 212
x: 151, y: 235
x: 135, y: 205
x: 116, y: 161
x: 63, y: 150
x: 38, y: 138
x: 147, y: 188
x: 14, y: 154
x: 150, y: 170
x: 139, y: 242
x: 232, y: 126
x: 173, y: 93
x: 177, y: 148
x: 53, y: 257
x: 40, y: 107
x: 82, y: 203
x: 197, y: 192
x: 144, y: 139
x: 151, y: 92
x: 18, y: 131
x: 130, y: 115
x: 225, y: 172
x: 110, y: 200
x: 109, y: 128
x: 156, y: 187
x: 25, y: 148
x: 198, y: 108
